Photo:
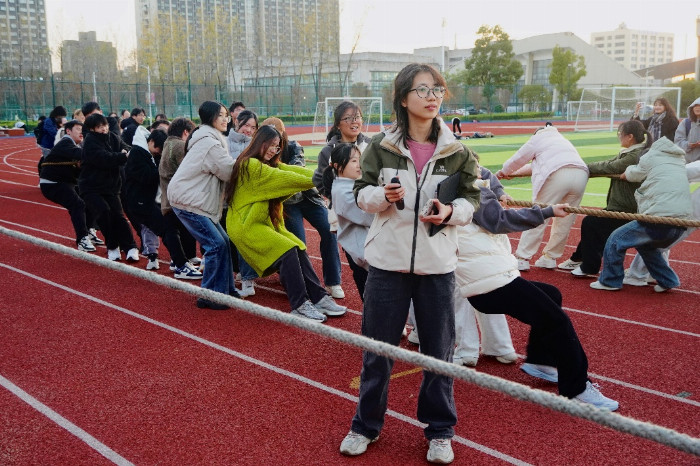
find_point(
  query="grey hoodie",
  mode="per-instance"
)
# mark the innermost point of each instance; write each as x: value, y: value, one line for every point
x: 682, y: 139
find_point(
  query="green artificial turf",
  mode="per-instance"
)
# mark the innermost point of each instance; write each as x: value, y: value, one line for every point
x: 592, y: 146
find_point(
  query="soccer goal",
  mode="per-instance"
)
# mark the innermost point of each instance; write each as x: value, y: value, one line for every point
x: 582, y: 110
x: 371, y: 107
x: 617, y: 103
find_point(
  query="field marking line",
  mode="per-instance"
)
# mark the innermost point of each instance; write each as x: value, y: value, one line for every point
x: 633, y: 322
x: 6, y: 157
x: 251, y: 360
x: 284, y: 371
x: 64, y: 423
x: 19, y: 184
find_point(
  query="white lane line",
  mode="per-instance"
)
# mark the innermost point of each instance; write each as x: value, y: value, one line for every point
x: 633, y: 322
x: 6, y: 157
x: 64, y: 423
x: 19, y: 184
x: 282, y: 371
x: 43, y: 204
x: 36, y: 229
x: 35, y: 175
x: 257, y: 362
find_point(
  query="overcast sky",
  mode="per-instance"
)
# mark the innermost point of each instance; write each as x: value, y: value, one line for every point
x: 403, y: 25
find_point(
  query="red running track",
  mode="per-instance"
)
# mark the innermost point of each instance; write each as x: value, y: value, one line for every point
x: 101, y: 367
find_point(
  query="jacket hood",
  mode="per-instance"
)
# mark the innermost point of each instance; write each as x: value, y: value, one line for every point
x: 233, y: 136
x: 140, y: 137
x: 668, y: 148
x: 206, y: 131
x: 691, y: 115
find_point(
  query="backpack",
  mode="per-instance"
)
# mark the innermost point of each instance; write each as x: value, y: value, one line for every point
x: 687, y: 123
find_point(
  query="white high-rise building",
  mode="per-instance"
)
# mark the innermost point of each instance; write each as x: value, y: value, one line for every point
x: 635, y: 49
x: 24, y: 50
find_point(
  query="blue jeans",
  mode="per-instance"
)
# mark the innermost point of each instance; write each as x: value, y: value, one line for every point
x: 649, y: 240
x: 247, y: 272
x: 387, y: 299
x: 317, y: 216
x: 218, y: 270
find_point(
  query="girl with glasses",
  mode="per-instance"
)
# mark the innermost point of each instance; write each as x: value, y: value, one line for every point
x: 258, y: 185
x: 347, y: 127
x: 405, y: 262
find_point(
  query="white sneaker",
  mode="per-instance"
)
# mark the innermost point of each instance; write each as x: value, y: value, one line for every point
x: 548, y: 373
x: 152, y: 264
x: 132, y: 255
x: 413, y: 336
x: 660, y: 289
x: 600, y: 286
x: 86, y: 245
x: 247, y: 288
x: 592, y: 396
x: 93, y: 237
x: 577, y: 272
x: 546, y: 262
x: 329, y: 307
x: 523, y: 264
x: 195, y: 260
x: 355, y: 444
x: 188, y: 272
x: 336, y: 291
x: 440, y: 451
x: 568, y: 264
x: 509, y: 358
x: 404, y: 333
x: 114, y: 254
x: 308, y: 311
x: 634, y: 281
x: 469, y: 361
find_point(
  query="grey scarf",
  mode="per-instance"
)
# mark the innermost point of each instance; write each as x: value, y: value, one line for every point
x: 655, y: 126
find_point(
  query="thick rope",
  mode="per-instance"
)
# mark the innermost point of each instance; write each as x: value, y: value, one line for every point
x: 677, y: 222
x: 73, y: 164
x: 659, y: 434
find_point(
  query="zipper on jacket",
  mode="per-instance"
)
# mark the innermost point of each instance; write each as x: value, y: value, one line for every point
x: 416, y: 210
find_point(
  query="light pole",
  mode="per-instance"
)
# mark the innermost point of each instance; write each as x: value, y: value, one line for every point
x: 150, y: 110
x: 189, y: 88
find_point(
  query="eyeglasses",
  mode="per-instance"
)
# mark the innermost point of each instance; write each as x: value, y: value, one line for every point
x: 424, y: 91
x: 352, y: 119
x: 225, y: 117
x: 274, y: 149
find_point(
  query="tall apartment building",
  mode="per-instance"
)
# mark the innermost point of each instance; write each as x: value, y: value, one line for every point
x: 87, y: 55
x: 215, y: 34
x: 23, y: 41
x: 635, y: 49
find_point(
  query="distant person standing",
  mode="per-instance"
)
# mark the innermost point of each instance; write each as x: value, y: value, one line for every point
x: 457, y: 126
x: 51, y: 126
x: 687, y: 135
x: 559, y: 176
x: 663, y: 122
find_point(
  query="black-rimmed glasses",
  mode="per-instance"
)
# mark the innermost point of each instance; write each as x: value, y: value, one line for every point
x: 424, y: 91
x: 352, y: 119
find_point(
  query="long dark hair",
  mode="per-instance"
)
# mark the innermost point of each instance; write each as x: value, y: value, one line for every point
x: 636, y: 129
x: 338, y: 114
x: 243, y: 117
x: 403, y: 83
x: 262, y: 140
x: 670, y: 112
x: 340, y: 156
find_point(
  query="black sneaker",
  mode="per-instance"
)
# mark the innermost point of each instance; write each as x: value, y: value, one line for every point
x: 93, y: 237
x: 206, y: 304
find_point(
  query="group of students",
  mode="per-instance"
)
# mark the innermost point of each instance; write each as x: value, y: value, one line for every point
x: 650, y: 175
x: 240, y: 189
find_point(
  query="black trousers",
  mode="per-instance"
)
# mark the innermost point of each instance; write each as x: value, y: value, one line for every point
x: 66, y: 195
x: 553, y: 340
x: 151, y: 216
x: 108, y: 212
x: 187, y: 241
x: 594, y: 234
x: 358, y: 274
x: 299, y: 278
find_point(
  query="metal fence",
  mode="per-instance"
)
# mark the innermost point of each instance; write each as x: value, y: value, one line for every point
x: 27, y: 99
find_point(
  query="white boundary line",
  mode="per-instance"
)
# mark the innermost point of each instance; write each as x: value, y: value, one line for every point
x: 257, y: 362
x: 64, y: 423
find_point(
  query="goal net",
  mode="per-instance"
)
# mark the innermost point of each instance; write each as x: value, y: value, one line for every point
x: 616, y: 104
x: 371, y: 108
x: 582, y: 110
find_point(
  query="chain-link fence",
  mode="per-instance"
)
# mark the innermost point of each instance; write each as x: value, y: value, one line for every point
x: 28, y: 99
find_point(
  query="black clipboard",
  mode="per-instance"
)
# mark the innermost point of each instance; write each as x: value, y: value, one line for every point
x: 447, y: 191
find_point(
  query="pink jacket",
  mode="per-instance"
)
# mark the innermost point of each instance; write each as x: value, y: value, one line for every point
x: 549, y: 151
